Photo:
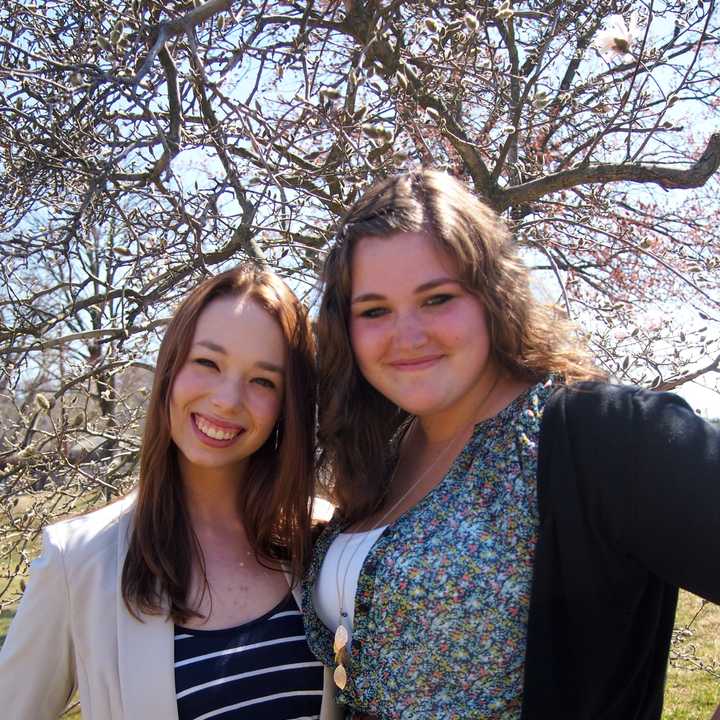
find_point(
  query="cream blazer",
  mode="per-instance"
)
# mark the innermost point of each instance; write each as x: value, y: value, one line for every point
x: 72, y: 630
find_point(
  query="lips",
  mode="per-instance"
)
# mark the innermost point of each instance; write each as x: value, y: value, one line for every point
x: 419, y: 363
x: 217, y: 431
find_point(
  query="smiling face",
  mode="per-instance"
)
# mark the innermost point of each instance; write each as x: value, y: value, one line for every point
x: 227, y: 396
x: 418, y: 336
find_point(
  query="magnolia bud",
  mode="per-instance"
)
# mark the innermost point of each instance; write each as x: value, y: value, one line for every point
x: 471, y: 22
x: 77, y: 419
x: 330, y: 93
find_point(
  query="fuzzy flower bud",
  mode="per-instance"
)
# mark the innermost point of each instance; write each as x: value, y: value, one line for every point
x: 433, y: 114
x: 77, y: 419
x: 330, y: 93
x: 541, y: 100
x: 27, y: 452
x: 471, y: 22
x: 373, y: 131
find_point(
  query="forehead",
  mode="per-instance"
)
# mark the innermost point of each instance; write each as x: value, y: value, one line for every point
x: 242, y: 327
x: 398, y: 261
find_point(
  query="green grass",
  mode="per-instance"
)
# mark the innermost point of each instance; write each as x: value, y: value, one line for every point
x: 73, y: 713
x: 692, y: 693
x: 5, y: 618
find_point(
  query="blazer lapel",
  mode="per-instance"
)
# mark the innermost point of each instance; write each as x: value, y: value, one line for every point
x: 145, y: 653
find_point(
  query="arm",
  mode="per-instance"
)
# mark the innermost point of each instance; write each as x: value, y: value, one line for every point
x: 674, y: 528
x: 654, y: 467
x: 37, y: 670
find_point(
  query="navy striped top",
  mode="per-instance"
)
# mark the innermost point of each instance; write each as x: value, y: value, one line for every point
x: 262, y: 669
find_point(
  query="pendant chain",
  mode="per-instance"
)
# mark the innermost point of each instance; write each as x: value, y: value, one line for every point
x: 342, y: 636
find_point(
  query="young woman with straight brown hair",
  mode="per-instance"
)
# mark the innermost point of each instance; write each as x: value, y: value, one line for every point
x: 511, y: 529
x: 175, y: 601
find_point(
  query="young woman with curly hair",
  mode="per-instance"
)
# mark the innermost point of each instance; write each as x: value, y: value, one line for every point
x: 511, y: 529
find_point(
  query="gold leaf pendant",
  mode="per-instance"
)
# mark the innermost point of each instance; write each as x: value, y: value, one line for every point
x: 340, y: 642
x: 341, y: 638
x: 340, y: 677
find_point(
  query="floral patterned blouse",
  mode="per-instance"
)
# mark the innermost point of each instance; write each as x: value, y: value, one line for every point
x: 443, y: 596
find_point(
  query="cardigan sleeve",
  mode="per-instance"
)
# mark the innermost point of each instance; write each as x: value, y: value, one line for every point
x: 37, y: 670
x: 656, y: 468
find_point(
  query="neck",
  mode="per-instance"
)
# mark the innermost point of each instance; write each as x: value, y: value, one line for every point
x: 495, y: 392
x: 211, y: 497
x: 481, y: 403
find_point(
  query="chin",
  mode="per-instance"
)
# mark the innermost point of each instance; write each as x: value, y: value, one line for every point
x: 420, y: 407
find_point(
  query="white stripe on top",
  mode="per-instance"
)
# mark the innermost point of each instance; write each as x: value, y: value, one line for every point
x: 255, y: 701
x: 287, y: 613
x: 241, y: 648
x: 249, y: 673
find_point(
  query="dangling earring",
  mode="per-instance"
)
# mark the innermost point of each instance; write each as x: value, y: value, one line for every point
x: 276, y: 434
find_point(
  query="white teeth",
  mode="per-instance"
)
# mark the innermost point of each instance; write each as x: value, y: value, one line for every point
x: 213, y: 431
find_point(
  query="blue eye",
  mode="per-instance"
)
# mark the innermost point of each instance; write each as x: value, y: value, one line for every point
x: 206, y: 362
x: 374, y: 312
x: 438, y: 300
x: 264, y: 382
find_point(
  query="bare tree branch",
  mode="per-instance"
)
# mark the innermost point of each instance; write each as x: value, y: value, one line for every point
x: 666, y: 177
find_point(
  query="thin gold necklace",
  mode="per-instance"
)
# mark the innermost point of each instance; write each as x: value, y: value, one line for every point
x: 341, y: 638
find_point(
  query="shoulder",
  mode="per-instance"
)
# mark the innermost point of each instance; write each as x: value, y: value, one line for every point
x: 602, y: 420
x: 82, y: 537
x: 598, y: 400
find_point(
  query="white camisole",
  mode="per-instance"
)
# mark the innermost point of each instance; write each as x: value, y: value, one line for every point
x: 349, y: 550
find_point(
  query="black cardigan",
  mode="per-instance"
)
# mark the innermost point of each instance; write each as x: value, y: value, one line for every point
x: 629, y: 500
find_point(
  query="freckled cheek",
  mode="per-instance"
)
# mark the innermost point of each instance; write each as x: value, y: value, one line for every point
x: 453, y: 337
x: 266, y: 407
x: 186, y: 387
x: 368, y: 341
x: 460, y: 329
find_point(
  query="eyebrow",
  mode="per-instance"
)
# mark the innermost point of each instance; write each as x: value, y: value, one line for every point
x: 429, y: 285
x: 210, y: 345
x: 263, y: 364
x: 271, y: 367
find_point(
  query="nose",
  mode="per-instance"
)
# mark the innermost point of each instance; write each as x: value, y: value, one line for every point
x: 229, y: 396
x: 410, y: 331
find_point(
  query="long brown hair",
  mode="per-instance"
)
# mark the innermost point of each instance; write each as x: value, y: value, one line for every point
x: 528, y: 339
x: 275, y: 495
